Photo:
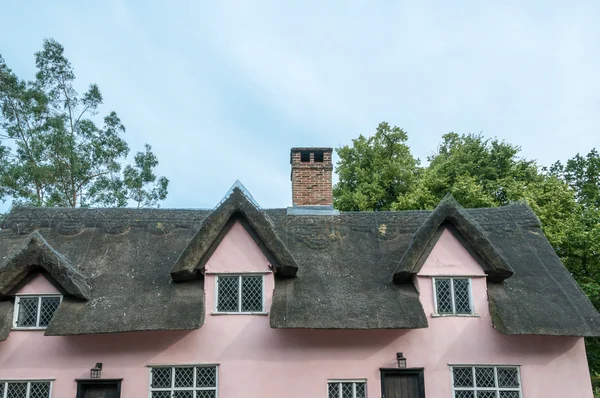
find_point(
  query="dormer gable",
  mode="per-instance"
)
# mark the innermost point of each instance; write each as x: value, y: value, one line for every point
x: 449, y: 256
x: 236, y: 207
x: 32, y: 254
x: 450, y: 212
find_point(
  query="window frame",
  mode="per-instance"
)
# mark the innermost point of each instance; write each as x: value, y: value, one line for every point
x: 240, y: 312
x: 496, y: 388
x: 452, y: 296
x: 353, y: 381
x: 38, y: 312
x: 5, y: 382
x: 172, y: 389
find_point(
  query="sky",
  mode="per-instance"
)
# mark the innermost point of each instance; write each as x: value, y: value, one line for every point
x: 223, y: 89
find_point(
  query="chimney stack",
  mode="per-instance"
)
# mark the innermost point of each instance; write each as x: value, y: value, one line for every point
x: 311, y: 177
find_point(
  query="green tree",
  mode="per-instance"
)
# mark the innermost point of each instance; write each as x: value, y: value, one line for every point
x: 481, y: 172
x: 55, y: 153
x: 374, y: 171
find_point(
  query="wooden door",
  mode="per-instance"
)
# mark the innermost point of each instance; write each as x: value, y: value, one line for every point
x: 402, y: 383
x: 99, y: 390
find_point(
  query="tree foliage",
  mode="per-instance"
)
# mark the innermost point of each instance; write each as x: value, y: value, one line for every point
x: 53, y: 151
x: 380, y: 173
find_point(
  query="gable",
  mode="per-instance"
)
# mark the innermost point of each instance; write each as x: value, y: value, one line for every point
x: 39, y: 284
x: 450, y: 257
x: 237, y: 252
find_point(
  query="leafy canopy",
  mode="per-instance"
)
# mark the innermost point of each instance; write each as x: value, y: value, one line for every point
x: 53, y: 151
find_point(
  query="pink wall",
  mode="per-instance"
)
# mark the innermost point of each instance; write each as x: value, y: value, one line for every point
x: 39, y: 285
x: 257, y: 361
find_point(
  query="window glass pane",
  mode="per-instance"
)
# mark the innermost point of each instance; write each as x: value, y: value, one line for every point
x: 484, y: 377
x: 252, y: 293
x: 444, y: 298
x: 206, y: 377
x: 347, y: 390
x: 486, y: 394
x: 206, y: 394
x: 508, y: 377
x: 17, y: 390
x: 161, y: 394
x: 27, y: 312
x: 509, y: 394
x: 464, y: 394
x: 49, y: 305
x: 184, y: 377
x: 228, y: 293
x: 463, y: 377
x: 183, y: 394
x: 161, y: 377
x: 361, y: 390
x: 39, y: 390
x: 462, y: 301
x: 334, y: 390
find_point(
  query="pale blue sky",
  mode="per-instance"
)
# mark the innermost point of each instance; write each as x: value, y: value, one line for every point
x: 222, y: 90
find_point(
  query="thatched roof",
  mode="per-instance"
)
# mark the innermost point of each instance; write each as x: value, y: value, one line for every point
x: 450, y: 211
x: 346, y: 271
x: 236, y: 206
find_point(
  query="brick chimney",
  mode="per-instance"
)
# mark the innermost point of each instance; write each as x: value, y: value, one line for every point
x: 311, y: 176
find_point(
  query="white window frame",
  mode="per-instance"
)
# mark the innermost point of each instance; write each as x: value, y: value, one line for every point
x: 496, y: 389
x: 39, y: 310
x: 452, y: 278
x: 217, y: 312
x: 173, y: 388
x: 5, y: 382
x: 353, y: 381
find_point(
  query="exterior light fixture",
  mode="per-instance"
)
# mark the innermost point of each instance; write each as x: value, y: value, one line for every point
x: 401, y: 360
x: 96, y: 371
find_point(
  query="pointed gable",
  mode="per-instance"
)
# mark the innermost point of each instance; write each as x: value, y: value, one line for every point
x: 236, y: 207
x: 449, y: 257
x: 33, y: 253
x: 450, y: 211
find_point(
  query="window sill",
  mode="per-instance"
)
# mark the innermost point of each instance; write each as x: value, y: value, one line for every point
x: 455, y: 315
x: 239, y: 313
x: 36, y: 328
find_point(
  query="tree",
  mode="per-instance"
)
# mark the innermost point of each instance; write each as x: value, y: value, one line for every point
x: 57, y: 154
x: 374, y: 171
x: 481, y: 172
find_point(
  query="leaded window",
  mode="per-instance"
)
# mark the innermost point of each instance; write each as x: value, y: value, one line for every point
x: 486, y: 382
x: 25, y: 389
x: 239, y: 293
x: 346, y: 389
x: 453, y: 296
x: 183, y: 382
x: 35, y: 311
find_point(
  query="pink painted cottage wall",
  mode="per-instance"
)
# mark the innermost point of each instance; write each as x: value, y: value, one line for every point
x: 256, y: 361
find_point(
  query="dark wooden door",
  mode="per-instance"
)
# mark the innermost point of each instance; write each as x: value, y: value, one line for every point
x: 402, y: 383
x: 99, y: 390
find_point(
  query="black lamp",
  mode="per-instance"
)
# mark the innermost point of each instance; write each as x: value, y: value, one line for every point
x: 96, y: 371
x: 401, y: 360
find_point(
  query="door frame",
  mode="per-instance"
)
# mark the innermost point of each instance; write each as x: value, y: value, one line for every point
x: 82, y: 383
x: 419, y: 372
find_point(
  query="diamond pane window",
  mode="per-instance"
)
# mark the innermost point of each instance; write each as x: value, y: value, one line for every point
x: 25, y: 389
x: 252, y: 293
x: 35, y: 311
x: 347, y: 389
x: 183, y: 382
x: 240, y: 293
x: 486, y: 382
x: 453, y: 296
